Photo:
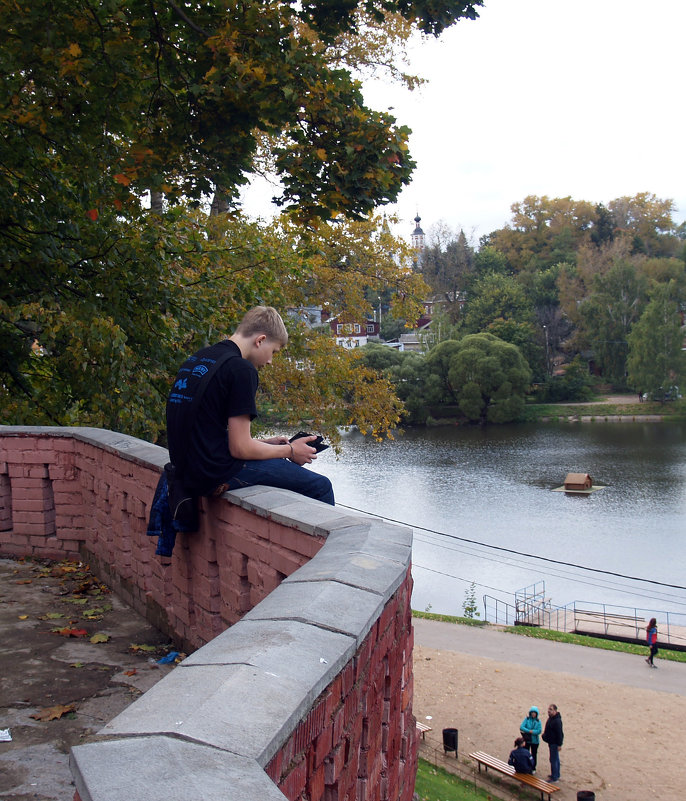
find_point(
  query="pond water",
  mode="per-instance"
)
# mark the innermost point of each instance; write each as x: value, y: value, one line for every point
x: 493, y: 486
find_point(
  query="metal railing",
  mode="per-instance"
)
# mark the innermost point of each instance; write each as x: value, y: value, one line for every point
x: 586, y: 617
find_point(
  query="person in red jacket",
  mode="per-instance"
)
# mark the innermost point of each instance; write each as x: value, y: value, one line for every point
x: 651, y: 639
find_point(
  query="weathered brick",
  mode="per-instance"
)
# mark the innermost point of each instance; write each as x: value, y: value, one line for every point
x: 295, y: 782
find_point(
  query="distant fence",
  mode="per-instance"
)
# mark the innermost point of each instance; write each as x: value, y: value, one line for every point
x: 588, y: 617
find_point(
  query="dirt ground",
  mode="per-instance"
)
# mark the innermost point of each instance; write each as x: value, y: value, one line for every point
x: 57, y: 686
x: 622, y: 743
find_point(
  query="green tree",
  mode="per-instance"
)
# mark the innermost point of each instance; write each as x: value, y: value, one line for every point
x: 490, y: 260
x: 496, y: 297
x: 499, y: 305
x: 574, y: 385
x: 543, y: 231
x: 412, y: 381
x: 608, y: 314
x: 469, y: 605
x: 487, y: 377
x: 448, y: 268
x: 648, y: 219
x: 656, y: 360
x: 100, y: 105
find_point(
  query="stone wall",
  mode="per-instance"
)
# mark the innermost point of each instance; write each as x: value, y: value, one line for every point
x: 308, y: 694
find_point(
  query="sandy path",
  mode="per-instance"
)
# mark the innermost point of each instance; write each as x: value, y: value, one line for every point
x: 623, y: 743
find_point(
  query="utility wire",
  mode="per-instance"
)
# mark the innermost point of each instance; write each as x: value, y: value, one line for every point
x: 658, y: 595
x: 519, y: 553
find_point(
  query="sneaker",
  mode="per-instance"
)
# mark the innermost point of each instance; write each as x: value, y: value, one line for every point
x: 647, y: 660
x: 652, y: 665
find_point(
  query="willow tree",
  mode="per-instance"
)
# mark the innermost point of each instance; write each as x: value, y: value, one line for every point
x: 102, y: 103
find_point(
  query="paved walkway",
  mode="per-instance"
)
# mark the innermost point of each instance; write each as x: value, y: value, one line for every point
x: 592, y: 663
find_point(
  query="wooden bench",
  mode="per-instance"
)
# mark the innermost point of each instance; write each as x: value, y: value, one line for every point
x: 545, y: 788
x: 423, y: 728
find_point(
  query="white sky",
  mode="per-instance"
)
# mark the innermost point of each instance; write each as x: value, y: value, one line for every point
x: 546, y: 97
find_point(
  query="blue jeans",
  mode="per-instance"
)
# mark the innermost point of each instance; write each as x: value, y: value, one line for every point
x: 554, y: 761
x: 284, y: 474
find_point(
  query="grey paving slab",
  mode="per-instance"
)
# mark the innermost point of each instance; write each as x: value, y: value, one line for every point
x: 365, y: 571
x: 263, y: 500
x: 279, y: 647
x: 238, y: 708
x: 391, y: 532
x: 374, y: 538
x: 165, y: 769
x: 312, y: 517
x: 326, y: 603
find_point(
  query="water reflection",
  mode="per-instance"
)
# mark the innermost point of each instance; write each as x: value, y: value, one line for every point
x: 494, y: 486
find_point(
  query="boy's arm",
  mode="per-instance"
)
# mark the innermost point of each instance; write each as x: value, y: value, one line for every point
x: 243, y: 446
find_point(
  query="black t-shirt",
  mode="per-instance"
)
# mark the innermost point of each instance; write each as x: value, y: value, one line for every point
x: 201, y: 453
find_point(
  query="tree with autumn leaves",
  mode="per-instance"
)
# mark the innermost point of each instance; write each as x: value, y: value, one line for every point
x: 104, y: 104
x: 568, y: 277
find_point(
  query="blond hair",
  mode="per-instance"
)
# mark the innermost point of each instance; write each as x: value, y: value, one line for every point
x: 264, y: 320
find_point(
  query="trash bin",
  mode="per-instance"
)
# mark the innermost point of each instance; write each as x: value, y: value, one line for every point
x: 450, y: 741
x: 585, y: 795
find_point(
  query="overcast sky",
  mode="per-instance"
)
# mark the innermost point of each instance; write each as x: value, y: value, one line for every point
x: 545, y: 97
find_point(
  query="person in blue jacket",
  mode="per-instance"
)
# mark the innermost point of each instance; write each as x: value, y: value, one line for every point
x: 520, y: 758
x: 531, y: 729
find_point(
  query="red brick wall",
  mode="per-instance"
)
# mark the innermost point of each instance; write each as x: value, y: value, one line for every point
x: 64, y: 497
x: 358, y: 742
x: 87, y: 493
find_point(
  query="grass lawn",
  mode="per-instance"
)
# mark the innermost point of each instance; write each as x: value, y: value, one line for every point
x: 595, y: 642
x: 436, y: 784
x: 670, y: 411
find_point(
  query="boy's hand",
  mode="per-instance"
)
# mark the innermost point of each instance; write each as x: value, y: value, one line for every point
x: 303, y: 453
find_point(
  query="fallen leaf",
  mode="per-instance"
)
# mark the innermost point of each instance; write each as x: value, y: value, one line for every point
x: 142, y: 647
x: 23, y: 617
x: 100, y: 637
x: 71, y: 632
x: 54, y: 712
x: 24, y: 581
x: 76, y: 665
x: 130, y: 672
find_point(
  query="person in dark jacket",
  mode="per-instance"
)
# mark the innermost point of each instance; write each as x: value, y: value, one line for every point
x: 530, y: 730
x: 554, y: 736
x: 520, y: 758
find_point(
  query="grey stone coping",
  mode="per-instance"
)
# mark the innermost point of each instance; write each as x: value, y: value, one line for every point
x: 364, y: 571
x: 291, y: 508
x: 328, y: 604
x: 372, y: 537
x: 166, y: 769
x: 129, y: 447
x: 242, y: 708
x: 271, y: 644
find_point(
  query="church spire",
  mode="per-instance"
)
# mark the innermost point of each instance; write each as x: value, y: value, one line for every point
x: 417, y: 240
